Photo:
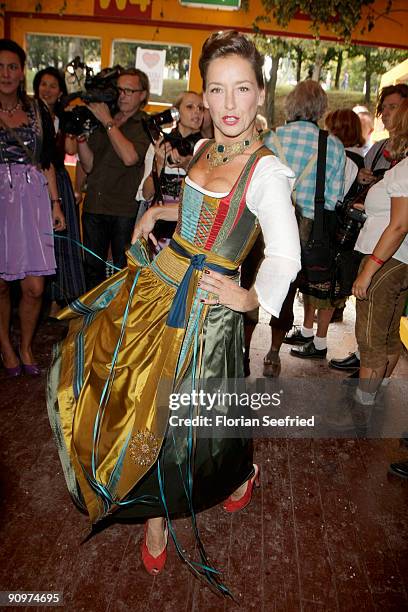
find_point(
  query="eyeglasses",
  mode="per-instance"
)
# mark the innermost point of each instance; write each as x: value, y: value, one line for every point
x: 127, y: 91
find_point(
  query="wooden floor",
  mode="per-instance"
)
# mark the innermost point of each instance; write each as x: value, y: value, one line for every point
x: 327, y: 530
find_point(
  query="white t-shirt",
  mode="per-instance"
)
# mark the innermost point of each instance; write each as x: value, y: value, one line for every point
x: 378, y: 209
x: 269, y: 198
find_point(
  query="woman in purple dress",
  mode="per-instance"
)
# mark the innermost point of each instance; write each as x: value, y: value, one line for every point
x: 27, y: 216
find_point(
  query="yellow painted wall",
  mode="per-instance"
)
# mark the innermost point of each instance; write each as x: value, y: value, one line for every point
x: 163, y: 11
x: 404, y: 331
x: 386, y: 31
x: 107, y: 32
x: 398, y: 74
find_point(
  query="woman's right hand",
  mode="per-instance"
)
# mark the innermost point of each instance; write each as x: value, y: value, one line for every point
x: 175, y: 160
x: 144, y: 227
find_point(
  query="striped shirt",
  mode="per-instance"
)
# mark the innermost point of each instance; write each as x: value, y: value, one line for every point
x: 299, y: 140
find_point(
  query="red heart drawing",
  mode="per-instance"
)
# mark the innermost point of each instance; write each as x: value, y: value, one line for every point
x: 151, y: 59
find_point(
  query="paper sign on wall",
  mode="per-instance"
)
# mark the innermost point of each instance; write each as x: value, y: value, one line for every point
x: 226, y: 5
x: 152, y: 62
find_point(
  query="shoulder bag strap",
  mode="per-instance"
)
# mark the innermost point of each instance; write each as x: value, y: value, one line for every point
x: 378, y: 155
x: 278, y: 146
x: 319, y: 200
x: 281, y: 155
x: 306, y: 170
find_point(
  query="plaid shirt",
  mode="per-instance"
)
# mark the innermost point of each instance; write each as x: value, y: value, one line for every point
x: 299, y: 140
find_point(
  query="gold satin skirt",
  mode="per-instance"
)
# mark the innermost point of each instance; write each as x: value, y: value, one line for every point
x: 106, y: 388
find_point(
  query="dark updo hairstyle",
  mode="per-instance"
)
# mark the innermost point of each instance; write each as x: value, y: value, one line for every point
x: 399, y: 88
x: 6, y: 44
x: 225, y: 44
x: 57, y: 74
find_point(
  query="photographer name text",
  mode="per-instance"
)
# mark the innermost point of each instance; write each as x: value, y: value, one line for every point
x: 223, y: 421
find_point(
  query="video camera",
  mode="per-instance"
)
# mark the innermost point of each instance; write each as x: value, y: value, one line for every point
x: 98, y: 88
x: 153, y: 126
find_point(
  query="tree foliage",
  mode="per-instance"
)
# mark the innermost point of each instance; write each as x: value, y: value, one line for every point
x: 276, y: 48
x: 57, y: 51
x: 377, y: 60
x: 324, y: 61
x: 342, y: 16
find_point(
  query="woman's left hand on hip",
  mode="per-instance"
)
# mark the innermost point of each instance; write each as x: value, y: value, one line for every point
x: 226, y: 292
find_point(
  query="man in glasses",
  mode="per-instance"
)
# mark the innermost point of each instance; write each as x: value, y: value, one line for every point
x: 113, y: 158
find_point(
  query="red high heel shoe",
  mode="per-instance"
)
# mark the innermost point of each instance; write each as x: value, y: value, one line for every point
x: 153, y: 565
x: 232, y: 505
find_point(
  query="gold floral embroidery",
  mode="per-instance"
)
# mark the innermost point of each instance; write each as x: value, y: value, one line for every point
x: 144, y: 447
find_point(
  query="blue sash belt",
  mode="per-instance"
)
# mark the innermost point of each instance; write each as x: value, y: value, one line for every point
x: 177, y: 314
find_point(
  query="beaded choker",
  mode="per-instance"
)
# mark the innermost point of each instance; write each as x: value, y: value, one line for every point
x: 220, y: 154
x: 10, y: 111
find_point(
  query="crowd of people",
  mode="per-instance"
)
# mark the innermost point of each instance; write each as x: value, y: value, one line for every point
x: 323, y: 212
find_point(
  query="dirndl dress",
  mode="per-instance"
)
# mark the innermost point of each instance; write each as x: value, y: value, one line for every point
x: 26, y: 232
x: 144, y: 325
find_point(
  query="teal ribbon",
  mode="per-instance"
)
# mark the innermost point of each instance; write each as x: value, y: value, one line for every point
x: 107, y: 263
x: 177, y: 314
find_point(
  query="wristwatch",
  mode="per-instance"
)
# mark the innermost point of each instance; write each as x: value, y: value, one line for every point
x: 109, y: 126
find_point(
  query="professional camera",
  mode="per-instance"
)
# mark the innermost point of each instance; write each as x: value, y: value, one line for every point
x: 98, y: 88
x: 350, y: 222
x: 153, y: 126
x: 379, y: 174
x: 183, y: 145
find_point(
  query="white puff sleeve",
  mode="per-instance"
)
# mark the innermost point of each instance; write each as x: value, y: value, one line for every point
x: 396, y: 180
x: 269, y: 198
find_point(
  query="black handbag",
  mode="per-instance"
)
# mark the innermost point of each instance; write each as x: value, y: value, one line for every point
x: 347, y: 265
x: 318, y: 250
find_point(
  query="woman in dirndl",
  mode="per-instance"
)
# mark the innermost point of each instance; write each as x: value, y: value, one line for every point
x: 177, y: 320
x: 29, y: 208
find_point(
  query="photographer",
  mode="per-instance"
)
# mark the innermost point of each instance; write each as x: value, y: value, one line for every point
x: 163, y: 184
x: 113, y: 158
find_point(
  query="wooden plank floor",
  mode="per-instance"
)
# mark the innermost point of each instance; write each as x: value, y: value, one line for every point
x: 327, y: 530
